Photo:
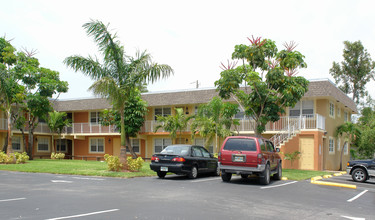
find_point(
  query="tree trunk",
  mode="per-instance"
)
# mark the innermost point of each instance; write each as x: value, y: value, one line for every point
x: 123, y: 157
x: 9, y: 135
x: 130, y: 147
x: 31, y: 139
x: 342, y: 152
x: 5, y: 144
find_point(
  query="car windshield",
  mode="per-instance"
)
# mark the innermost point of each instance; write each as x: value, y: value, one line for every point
x: 240, y: 144
x: 176, y: 150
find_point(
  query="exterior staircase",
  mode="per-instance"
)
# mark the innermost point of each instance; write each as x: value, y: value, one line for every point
x: 294, y: 126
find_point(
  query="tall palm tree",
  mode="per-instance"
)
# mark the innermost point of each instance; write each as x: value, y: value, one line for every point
x: 56, y: 123
x: 119, y: 74
x: 173, y: 123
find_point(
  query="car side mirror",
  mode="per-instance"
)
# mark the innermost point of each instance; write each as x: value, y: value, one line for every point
x: 277, y: 150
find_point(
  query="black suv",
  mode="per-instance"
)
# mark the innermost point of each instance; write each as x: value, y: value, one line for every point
x: 361, y: 170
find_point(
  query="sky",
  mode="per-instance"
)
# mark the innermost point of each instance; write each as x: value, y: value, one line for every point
x: 193, y: 37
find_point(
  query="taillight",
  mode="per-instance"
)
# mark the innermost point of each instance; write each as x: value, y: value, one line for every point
x: 178, y: 159
x: 219, y: 156
x: 260, y: 156
x: 156, y: 159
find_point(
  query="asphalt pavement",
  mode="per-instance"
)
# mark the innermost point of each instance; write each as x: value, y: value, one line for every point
x: 50, y: 196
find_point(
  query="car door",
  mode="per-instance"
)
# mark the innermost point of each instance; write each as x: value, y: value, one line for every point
x: 371, y: 168
x: 211, y: 162
x: 199, y: 159
x: 272, y: 156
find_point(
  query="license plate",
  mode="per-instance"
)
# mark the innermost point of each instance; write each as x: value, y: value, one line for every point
x: 238, y: 158
x: 163, y: 168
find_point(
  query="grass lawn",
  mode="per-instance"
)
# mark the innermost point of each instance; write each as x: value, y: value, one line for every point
x: 96, y: 168
x: 302, y: 174
x: 74, y: 167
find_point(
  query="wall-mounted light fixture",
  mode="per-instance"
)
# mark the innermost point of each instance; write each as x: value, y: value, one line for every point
x: 109, y: 140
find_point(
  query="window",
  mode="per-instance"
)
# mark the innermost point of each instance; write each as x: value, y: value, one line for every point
x: 345, y: 148
x: 338, y: 112
x: 95, y: 117
x: 331, y: 148
x: 270, y: 147
x: 331, y: 109
x: 161, y: 143
x: 305, y: 107
x: 43, y: 144
x: 338, y: 144
x: 197, y: 152
x: 202, y: 141
x: 240, y: 114
x: 262, y: 145
x: 205, y: 153
x: 16, y: 143
x: 135, y: 144
x: 240, y: 144
x: 346, y: 116
x: 97, y: 145
x: 62, y: 147
x: 162, y: 112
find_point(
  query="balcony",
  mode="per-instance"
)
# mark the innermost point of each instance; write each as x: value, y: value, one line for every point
x: 315, y: 121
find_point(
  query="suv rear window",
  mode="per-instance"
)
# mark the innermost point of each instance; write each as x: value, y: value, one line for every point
x: 240, y: 144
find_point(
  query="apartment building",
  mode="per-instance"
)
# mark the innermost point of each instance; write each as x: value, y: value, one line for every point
x: 308, y: 127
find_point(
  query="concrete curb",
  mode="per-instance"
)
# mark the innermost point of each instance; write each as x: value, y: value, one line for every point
x: 316, y: 180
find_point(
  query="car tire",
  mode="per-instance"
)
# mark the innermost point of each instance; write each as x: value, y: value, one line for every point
x: 279, y: 174
x: 265, y: 178
x: 244, y: 176
x: 359, y: 175
x: 217, y: 171
x: 161, y: 174
x: 193, y: 173
x: 226, y: 176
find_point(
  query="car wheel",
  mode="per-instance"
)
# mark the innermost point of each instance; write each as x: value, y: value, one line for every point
x: 265, y: 178
x: 193, y: 173
x: 359, y: 175
x: 244, y: 176
x: 226, y: 176
x: 217, y: 172
x: 161, y: 174
x: 279, y: 174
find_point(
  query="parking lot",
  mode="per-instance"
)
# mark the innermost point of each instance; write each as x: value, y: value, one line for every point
x: 49, y: 196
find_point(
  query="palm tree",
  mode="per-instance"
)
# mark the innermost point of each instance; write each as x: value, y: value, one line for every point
x: 56, y: 123
x: 173, y: 123
x: 348, y: 129
x: 119, y: 74
x: 214, y: 120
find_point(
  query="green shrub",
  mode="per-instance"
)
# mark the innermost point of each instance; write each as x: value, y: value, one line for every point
x: 21, y: 158
x: 135, y: 164
x: 58, y: 156
x: 13, y: 158
x: 113, y: 162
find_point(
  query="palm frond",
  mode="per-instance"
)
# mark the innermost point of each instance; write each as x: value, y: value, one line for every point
x: 87, y: 66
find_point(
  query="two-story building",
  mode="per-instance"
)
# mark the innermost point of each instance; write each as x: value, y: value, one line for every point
x: 309, y: 127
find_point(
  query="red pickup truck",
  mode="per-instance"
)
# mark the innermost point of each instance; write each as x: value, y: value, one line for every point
x: 247, y: 156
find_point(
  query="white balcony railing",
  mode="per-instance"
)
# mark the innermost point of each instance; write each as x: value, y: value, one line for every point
x: 303, y: 122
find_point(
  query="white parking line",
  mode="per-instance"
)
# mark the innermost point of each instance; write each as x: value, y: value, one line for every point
x: 357, y: 196
x: 8, y: 200
x: 87, y: 214
x: 204, y: 180
x: 87, y: 178
x: 267, y: 187
x: 61, y: 181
